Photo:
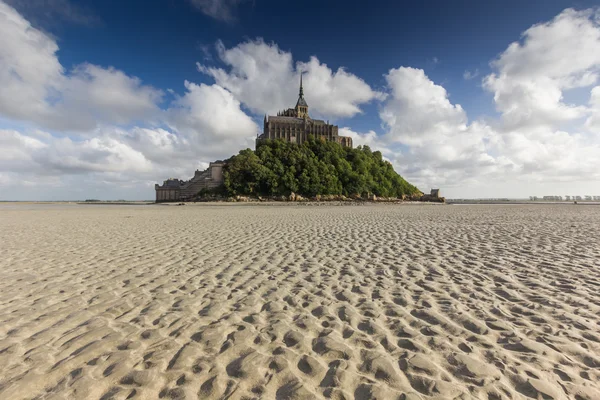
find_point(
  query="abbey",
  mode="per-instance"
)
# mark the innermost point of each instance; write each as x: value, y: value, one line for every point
x: 295, y: 125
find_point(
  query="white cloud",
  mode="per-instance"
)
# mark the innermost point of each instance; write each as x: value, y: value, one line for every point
x: 418, y: 110
x: 335, y: 94
x: 429, y: 138
x: 48, y: 12
x: 214, y: 110
x: 211, y: 120
x: 36, y: 88
x: 540, y: 139
x: 551, y: 155
x: 431, y: 142
x: 114, y: 160
x: 96, y: 106
x: 593, y: 122
x: 54, y: 156
x: 206, y: 123
x: 109, y: 95
x: 98, y: 154
x: 264, y: 78
x: 468, y: 75
x: 158, y: 145
x: 223, y: 10
x: 563, y: 49
x: 29, y: 71
x: 552, y: 57
x: 17, y: 150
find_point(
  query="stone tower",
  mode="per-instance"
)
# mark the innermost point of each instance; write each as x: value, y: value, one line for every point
x: 301, y: 106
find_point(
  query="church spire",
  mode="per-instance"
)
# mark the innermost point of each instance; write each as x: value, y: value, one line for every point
x: 301, y: 106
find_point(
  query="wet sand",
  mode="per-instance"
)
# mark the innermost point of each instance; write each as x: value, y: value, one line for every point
x: 299, y: 302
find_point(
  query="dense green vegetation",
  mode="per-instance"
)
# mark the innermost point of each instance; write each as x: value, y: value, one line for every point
x: 314, y: 168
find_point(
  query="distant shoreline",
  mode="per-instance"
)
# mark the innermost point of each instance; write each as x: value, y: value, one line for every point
x: 75, y: 202
x: 522, y: 202
x: 222, y: 203
x: 115, y: 203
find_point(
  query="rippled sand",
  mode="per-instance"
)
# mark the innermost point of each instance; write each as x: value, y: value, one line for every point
x: 300, y: 302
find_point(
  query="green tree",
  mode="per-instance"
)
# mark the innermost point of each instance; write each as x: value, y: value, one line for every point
x: 315, y: 167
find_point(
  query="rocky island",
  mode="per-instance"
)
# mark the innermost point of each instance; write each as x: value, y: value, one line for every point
x: 297, y: 157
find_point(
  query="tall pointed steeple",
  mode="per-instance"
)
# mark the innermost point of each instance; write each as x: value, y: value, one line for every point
x: 301, y: 106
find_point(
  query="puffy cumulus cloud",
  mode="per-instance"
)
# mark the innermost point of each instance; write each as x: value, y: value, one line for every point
x: 531, y: 75
x: 17, y: 150
x: 107, y: 94
x: 264, y: 78
x: 204, y: 124
x: 212, y: 110
x: 563, y: 49
x: 538, y: 139
x: 418, y: 110
x: 541, y: 154
x: 36, y: 88
x: 75, y: 128
x: 430, y: 135
x: 29, y: 70
x: 439, y: 164
x: 338, y: 94
x: 98, y: 154
x: 113, y: 163
x: 211, y: 120
x: 539, y: 132
x: 257, y: 68
x: 49, y: 155
x: 159, y: 146
x: 432, y: 143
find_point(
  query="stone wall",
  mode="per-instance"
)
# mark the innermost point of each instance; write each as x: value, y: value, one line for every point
x: 176, y: 190
x: 167, y: 194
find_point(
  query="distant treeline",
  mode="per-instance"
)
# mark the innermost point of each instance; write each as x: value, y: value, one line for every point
x: 315, y: 167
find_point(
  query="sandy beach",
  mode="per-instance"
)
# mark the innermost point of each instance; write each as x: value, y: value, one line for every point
x: 299, y: 302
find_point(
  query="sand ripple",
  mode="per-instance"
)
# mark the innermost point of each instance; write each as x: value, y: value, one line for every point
x: 300, y: 302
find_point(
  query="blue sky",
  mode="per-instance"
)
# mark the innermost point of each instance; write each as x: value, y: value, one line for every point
x: 119, y: 95
x: 161, y: 41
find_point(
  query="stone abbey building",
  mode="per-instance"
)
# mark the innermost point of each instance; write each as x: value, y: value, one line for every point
x: 294, y: 125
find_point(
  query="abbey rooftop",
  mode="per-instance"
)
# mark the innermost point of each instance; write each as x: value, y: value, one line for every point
x: 295, y: 125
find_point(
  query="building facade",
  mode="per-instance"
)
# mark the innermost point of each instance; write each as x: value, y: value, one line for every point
x: 295, y: 125
x: 178, y: 190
